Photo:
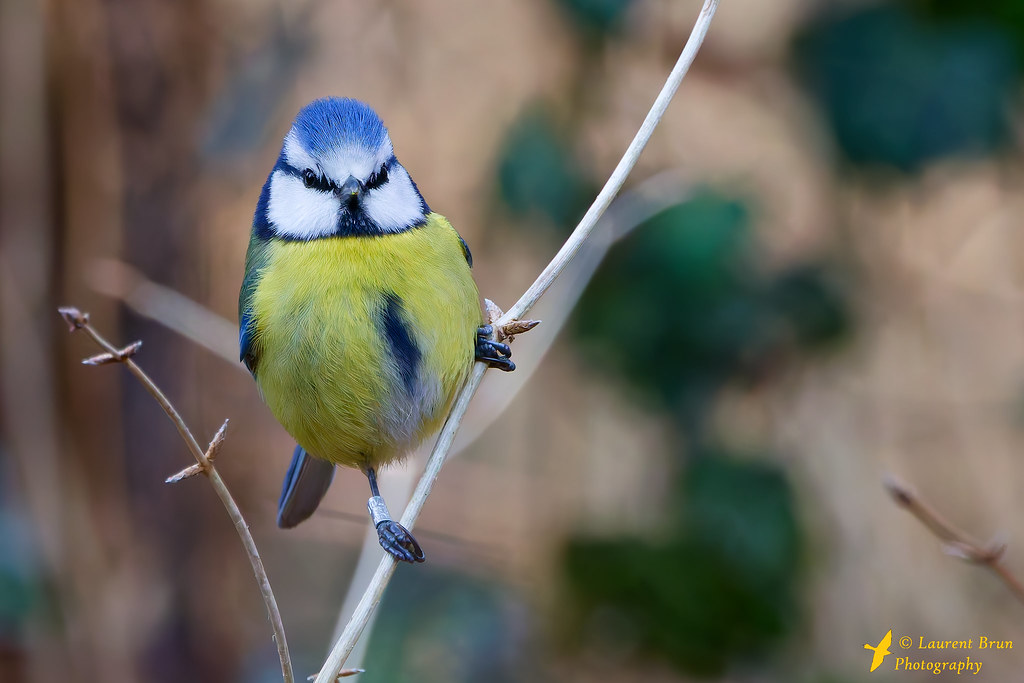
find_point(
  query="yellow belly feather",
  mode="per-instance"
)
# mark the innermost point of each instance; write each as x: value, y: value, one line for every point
x: 325, y: 369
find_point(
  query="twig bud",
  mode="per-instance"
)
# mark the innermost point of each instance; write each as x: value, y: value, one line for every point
x: 897, y: 490
x: 121, y: 356
x: 516, y: 327
x: 215, y: 443
x: 190, y: 471
x: 75, y: 319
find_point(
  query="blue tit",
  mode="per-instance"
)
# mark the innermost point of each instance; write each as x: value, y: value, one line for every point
x: 358, y: 314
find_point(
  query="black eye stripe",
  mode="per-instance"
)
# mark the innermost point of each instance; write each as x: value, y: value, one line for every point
x: 378, y: 178
x: 315, y: 181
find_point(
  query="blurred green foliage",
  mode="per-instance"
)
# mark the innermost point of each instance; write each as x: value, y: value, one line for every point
x: 812, y: 301
x: 21, y: 590
x: 436, y: 626
x: 595, y: 19
x: 721, y: 588
x: 681, y: 307
x: 1006, y: 15
x: 669, y: 310
x: 540, y: 180
x: 899, y: 90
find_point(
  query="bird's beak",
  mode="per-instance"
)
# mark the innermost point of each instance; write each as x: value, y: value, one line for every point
x: 349, y: 190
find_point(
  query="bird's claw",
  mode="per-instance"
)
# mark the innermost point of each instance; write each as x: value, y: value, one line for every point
x: 397, y: 540
x: 495, y: 354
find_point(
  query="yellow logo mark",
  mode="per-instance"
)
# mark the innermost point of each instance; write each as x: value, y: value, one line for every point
x: 881, y: 650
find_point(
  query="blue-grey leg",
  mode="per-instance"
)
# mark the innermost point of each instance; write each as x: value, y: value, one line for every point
x: 393, y: 537
x: 305, y: 485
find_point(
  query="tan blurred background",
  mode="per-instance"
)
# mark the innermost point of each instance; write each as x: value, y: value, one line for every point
x: 140, y: 133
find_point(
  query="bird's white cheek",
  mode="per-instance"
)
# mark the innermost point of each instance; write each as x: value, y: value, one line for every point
x: 396, y: 205
x: 297, y: 211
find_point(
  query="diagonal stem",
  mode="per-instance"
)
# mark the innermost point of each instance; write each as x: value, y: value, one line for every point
x: 78, y: 320
x: 372, y: 596
x: 955, y: 541
x: 619, y: 175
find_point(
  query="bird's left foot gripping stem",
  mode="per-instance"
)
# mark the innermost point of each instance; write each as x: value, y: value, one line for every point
x: 393, y: 537
x: 495, y: 354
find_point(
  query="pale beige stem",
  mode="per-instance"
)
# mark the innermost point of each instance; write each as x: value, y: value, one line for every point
x: 371, y: 597
x: 621, y: 172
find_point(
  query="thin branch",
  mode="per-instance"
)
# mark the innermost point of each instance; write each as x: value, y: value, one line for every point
x: 621, y: 172
x: 630, y: 209
x: 381, y: 577
x: 80, y: 321
x: 954, y: 541
x: 343, y: 647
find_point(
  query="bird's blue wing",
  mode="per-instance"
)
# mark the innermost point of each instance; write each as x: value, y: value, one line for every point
x: 255, y: 261
x: 465, y: 250
x: 246, y: 350
x: 305, y: 485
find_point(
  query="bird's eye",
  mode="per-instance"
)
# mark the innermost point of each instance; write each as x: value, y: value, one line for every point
x: 378, y: 178
x: 312, y: 180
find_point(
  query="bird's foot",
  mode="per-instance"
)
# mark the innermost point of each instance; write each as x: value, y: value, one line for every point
x: 495, y: 354
x: 397, y: 540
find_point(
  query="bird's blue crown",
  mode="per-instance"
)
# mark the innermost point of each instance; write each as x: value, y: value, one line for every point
x: 330, y: 122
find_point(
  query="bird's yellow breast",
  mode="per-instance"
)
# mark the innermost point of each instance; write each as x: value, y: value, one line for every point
x: 363, y: 341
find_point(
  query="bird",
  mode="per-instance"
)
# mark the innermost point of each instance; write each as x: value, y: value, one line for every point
x: 880, y: 650
x: 359, y: 318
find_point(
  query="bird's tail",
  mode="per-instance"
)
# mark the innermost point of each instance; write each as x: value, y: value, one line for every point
x: 305, y: 485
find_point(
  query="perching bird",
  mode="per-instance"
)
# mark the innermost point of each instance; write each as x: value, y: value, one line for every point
x: 358, y: 315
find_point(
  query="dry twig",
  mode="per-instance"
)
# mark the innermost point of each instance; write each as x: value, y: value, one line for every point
x: 954, y: 541
x: 371, y: 597
x: 78, y: 320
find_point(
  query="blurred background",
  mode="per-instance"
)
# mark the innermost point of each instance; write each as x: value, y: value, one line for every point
x: 814, y: 278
